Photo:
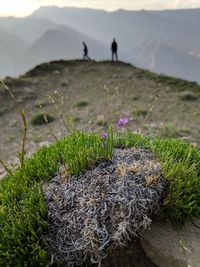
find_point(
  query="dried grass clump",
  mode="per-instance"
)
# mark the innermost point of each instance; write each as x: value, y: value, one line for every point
x: 41, y: 119
x: 106, y: 205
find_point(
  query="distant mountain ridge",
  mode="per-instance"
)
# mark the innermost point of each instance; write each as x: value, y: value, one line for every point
x: 166, y: 41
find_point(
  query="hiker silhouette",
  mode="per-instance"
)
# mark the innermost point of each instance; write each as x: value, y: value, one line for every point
x: 85, y: 52
x: 114, y: 50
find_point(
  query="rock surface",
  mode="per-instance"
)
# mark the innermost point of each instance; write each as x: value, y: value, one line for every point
x: 167, y: 247
x: 130, y: 256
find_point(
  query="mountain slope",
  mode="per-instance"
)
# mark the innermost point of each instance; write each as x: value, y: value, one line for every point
x: 62, y: 43
x: 28, y: 29
x: 134, y: 31
x: 177, y: 62
x: 17, y: 34
x: 11, y: 52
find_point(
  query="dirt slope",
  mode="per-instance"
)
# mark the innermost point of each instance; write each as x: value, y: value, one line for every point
x: 89, y: 93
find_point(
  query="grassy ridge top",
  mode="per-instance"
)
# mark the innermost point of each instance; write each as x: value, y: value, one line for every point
x: 46, y: 68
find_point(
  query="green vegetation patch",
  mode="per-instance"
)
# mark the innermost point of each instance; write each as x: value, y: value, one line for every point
x: 23, y: 212
x: 82, y: 103
x: 176, y: 83
x: 3, y: 111
x: 16, y: 82
x: 42, y: 104
x: 168, y: 131
x: 188, y: 96
x: 141, y: 112
x: 53, y: 66
x: 45, y: 68
x: 41, y: 119
x: 64, y: 84
x: 76, y: 119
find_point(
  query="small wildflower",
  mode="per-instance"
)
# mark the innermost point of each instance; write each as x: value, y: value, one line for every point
x: 104, y: 135
x: 122, y: 122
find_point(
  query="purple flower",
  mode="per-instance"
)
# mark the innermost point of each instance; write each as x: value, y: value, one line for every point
x: 122, y: 122
x: 104, y: 135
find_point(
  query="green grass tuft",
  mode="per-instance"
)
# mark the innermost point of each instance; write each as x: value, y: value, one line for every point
x: 76, y: 119
x: 141, y: 112
x: 41, y: 119
x: 3, y: 111
x: 168, y: 131
x: 82, y: 104
x: 23, y: 212
x: 188, y: 96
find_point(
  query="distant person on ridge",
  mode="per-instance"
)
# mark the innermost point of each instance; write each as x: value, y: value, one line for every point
x: 85, y: 52
x: 114, y: 50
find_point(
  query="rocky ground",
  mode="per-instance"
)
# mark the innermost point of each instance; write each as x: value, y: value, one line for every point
x: 89, y: 94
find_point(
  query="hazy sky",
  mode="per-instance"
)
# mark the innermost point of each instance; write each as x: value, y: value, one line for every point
x: 25, y: 7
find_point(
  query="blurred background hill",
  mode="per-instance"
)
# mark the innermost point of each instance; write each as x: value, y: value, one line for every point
x: 166, y: 41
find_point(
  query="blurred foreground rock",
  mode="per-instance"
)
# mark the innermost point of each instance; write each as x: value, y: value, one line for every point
x: 167, y: 247
x: 130, y: 256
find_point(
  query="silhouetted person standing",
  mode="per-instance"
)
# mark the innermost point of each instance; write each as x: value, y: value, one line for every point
x: 85, y: 52
x: 114, y: 50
